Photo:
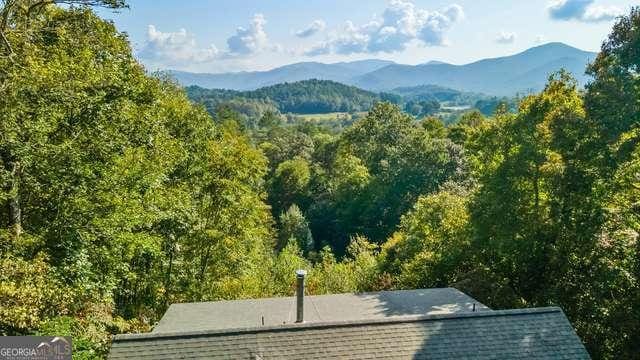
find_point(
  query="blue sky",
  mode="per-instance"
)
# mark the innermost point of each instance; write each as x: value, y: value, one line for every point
x: 220, y: 36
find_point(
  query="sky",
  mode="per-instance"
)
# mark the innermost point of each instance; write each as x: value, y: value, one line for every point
x: 250, y: 35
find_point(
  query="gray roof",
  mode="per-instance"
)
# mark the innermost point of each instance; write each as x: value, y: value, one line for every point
x: 543, y: 333
x: 321, y: 308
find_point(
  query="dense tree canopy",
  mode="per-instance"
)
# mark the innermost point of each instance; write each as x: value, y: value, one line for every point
x: 113, y: 185
x: 302, y: 97
x: 422, y: 108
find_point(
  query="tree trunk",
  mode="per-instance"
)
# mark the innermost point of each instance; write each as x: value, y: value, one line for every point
x: 167, y: 284
x: 536, y: 191
x: 15, y: 211
x: 204, y: 261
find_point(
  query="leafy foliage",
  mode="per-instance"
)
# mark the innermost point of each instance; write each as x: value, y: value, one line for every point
x: 432, y: 244
x: 422, y: 108
x: 294, y: 227
x: 115, y: 189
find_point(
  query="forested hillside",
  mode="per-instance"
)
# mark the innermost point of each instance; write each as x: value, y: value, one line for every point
x: 439, y: 93
x: 324, y: 97
x: 302, y: 97
x: 120, y: 196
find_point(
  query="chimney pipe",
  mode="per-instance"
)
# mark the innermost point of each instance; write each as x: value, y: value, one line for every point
x: 300, y: 274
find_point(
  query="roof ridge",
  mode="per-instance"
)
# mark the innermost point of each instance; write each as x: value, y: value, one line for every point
x: 346, y: 323
x: 283, y: 298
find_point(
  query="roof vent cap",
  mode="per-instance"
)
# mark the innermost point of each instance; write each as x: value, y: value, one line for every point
x: 300, y: 274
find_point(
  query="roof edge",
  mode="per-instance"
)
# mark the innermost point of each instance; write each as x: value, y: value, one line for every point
x: 346, y: 323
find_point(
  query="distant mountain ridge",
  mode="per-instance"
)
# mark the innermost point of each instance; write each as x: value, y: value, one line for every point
x: 503, y: 76
x: 523, y: 72
x: 344, y: 72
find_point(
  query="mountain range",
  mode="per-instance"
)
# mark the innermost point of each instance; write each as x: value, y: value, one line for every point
x: 344, y: 72
x: 503, y: 76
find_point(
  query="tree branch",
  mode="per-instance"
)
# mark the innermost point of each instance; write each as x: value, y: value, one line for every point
x: 6, y: 11
x: 6, y: 42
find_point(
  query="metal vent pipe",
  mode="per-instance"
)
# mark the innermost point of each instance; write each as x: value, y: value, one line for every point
x: 300, y: 274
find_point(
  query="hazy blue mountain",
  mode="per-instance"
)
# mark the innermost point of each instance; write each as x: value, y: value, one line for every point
x: 435, y: 62
x: 360, y: 67
x: 503, y: 76
x: 507, y: 75
x: 344, y: 72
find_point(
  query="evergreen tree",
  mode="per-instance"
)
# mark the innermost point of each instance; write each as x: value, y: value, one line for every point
x: 294, y: 227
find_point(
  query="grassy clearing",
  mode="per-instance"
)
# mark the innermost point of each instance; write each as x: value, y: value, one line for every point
x: 328, y: 116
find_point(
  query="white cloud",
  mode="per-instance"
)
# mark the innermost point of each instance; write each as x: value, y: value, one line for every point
x: 540, y: 39
x: 400, y: 23
x: 506, y: 37
x: 454, y: 12
x: 313, y: 28
x: 601, y: 13
x: 180, y: 50
x: 250, y: 40
x: 436, y: 25
x: 174, y: 48
x: 581, y: 10
x: 318, y: 49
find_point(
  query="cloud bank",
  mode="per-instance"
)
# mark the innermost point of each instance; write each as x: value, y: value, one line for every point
x: 400, y: 23
x: 180, y: 47
x: 175, y: 47
x: 313, y: 28
x: 582, y: 10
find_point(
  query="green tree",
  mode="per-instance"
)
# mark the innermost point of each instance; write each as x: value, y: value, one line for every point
x: 404, y: 161
x: 294, y: 227
x: 611, y: 98
x: 516, y: 210
x: 289, y: 259
x: 357, y: 272
x: 289, y: 184
x: 464, y: 129
x: 434, y: 127
x: 112, y: 184
x: 432, y: 247
x: 611, y: 102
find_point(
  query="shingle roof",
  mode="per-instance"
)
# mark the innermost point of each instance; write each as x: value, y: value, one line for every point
x: 319, y: 308
x: 542, y: 333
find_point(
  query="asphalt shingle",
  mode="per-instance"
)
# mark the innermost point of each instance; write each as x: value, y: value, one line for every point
x: 319, y: 308
x: 542, y: 333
